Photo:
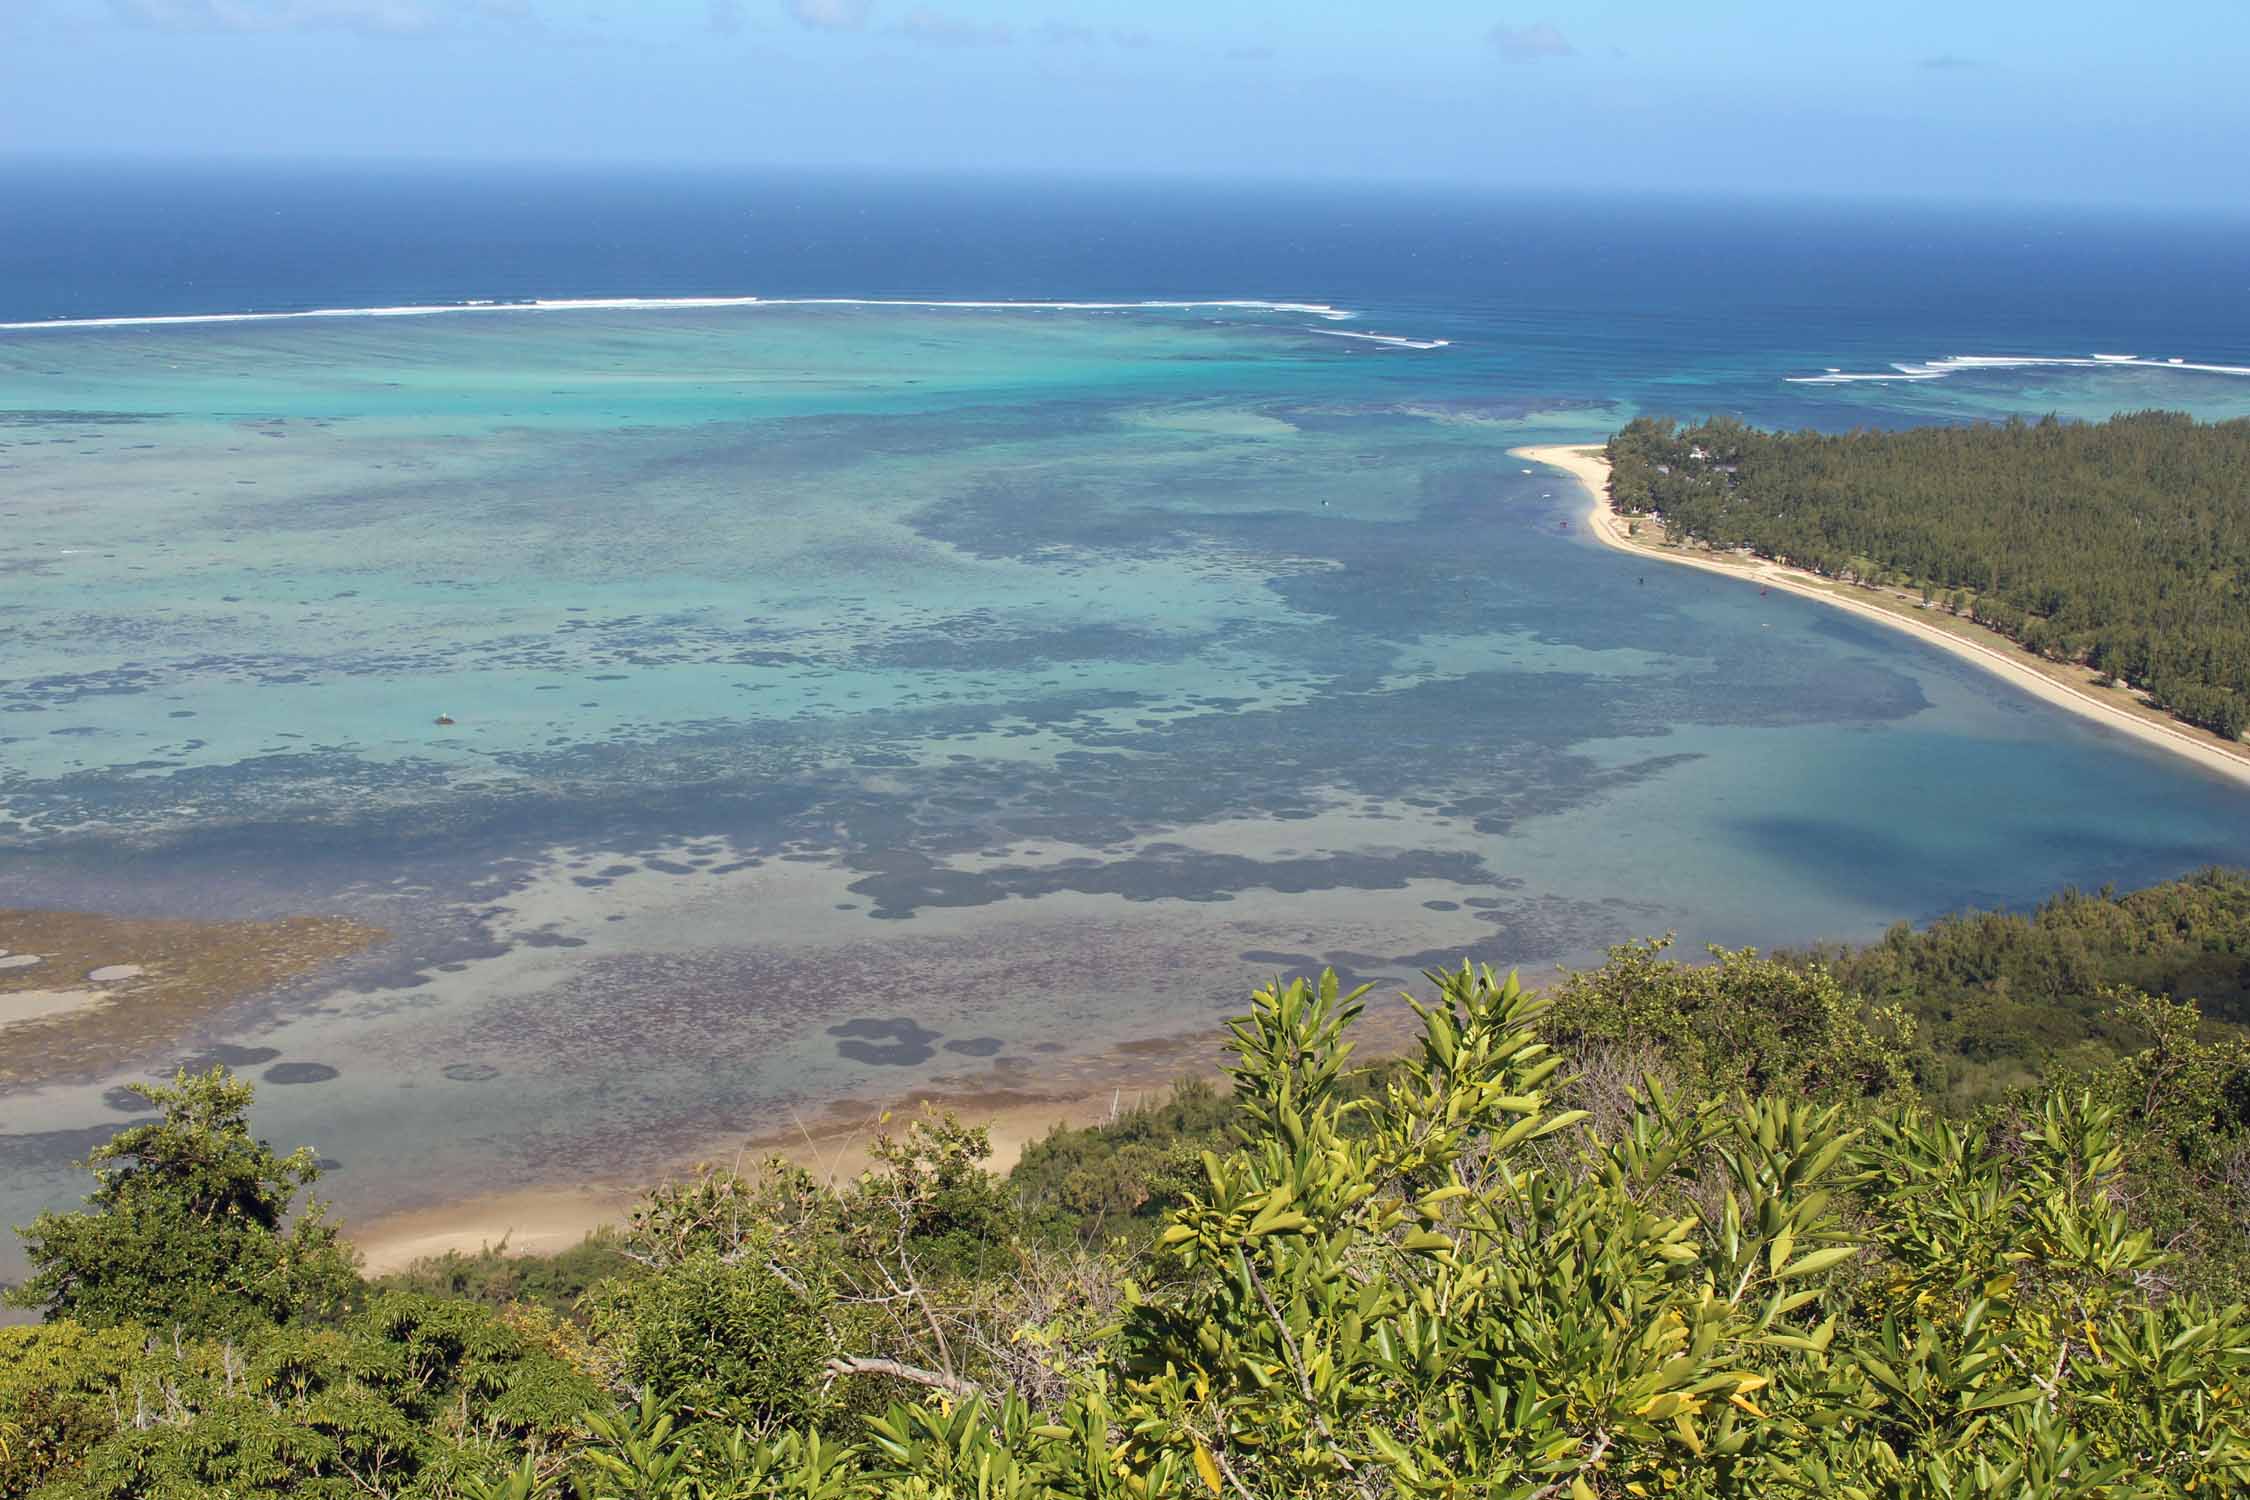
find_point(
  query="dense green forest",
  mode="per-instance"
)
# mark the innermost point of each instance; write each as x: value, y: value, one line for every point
x: 2122, y: 544
x: 2001, y: 999
x: 1959, y: 1213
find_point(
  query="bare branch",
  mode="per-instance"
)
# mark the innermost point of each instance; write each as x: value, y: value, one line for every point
x: 852, y: 1364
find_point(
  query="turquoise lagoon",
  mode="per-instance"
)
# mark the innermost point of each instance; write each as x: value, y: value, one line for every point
x: 853, y: 699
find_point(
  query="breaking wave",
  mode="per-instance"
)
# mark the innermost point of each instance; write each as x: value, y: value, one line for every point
x: 1954, y: 364
x: 652, y: 304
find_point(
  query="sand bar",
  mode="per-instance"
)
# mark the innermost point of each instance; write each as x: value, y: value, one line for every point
x: 106, y: 991
x: 2115, y: 709
x: 36, y: 1005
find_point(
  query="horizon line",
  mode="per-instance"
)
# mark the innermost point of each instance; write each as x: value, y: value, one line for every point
x: 1405, y: 184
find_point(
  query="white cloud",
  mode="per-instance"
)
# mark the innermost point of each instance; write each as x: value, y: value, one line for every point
x: 1078, y: 34
x: 1540, y: 39
x: 938, y: 29
x: 829, y: 15
x: 1067, y: 34
x: 368, y: 17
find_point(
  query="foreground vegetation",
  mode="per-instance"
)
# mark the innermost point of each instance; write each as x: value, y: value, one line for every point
x: 1732, y: 1228
x: 2124, y: 544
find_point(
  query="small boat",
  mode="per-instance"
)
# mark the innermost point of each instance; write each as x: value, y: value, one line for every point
x: 444, y: 719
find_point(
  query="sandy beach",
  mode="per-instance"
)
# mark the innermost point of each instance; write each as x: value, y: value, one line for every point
x: 2114, y: 708
x: 834, y: 1143
x: 541, y: 1221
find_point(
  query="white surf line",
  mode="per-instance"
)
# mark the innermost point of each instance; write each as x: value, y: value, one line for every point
x: 660, y: 304
x: 1954, y: 364
x: 1384, y: 338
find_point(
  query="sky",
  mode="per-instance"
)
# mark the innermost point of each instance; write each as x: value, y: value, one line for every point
x: 2058, y: 100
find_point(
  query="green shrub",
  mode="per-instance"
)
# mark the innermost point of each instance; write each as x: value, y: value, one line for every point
x: 1123, y: 1175
x: 726, y: 1336
x: 496, y: 1278
x: 406, y: 1397
x: 55, y: 1384
x: 1740, y: 1023
x: 189, y: 1226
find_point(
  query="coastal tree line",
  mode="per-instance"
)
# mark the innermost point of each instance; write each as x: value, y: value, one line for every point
x: 1757, y: 1226
x: 2123, y: 545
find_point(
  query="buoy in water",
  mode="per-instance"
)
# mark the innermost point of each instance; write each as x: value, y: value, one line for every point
x: 445, y: 718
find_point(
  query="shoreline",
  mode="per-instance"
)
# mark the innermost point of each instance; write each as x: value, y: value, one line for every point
x: 545, y: 1220
x: 1583, y: 463
x: 833, y: 1143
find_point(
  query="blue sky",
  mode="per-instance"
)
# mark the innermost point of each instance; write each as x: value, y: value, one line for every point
x: 2009, y: 99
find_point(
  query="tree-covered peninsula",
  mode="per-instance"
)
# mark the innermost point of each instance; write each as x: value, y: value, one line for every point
x: 1960, y: 1214
x: 2123, y: 545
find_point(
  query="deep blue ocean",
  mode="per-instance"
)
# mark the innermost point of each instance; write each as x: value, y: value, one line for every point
x: 1682, y: 291
x: 738, y: 710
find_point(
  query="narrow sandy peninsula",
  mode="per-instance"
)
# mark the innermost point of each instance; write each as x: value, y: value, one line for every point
x: 2114, y: 708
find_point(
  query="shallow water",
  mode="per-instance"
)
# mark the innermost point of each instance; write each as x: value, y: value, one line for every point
x: 851, y: 699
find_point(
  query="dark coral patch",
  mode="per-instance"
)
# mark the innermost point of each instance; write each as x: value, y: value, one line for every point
x: 299, y: 1072
x: 225, y: 1056
x: 897, y: 1043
